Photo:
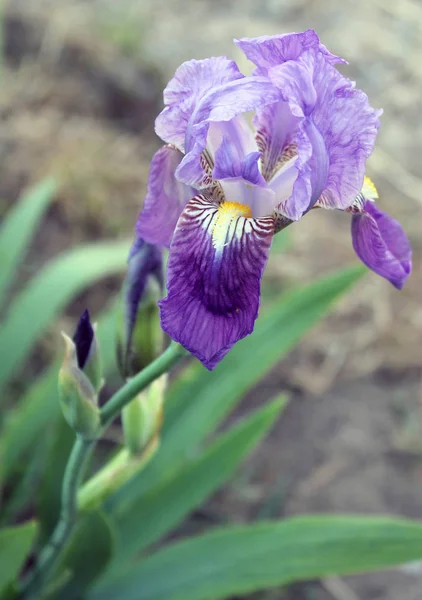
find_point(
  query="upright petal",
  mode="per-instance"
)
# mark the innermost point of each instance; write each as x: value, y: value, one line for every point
x: 270, y: 50
x: 217, y: 258
x: 192, y: 80
x: 166, y: 198
x: 339, y: 125
x: 220, y: 105
x: 381, y: 244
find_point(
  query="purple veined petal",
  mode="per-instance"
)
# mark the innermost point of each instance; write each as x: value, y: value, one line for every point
x: 83, y: 338
x: 221, y: 104
x: 270, y: 50
x: 340, y: 127
x: 216, y: 262
x: 381, y: 244
x: 192, y: 80
x: 166, y: 197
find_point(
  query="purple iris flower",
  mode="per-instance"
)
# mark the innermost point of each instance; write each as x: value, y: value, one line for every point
x: 218, y: 192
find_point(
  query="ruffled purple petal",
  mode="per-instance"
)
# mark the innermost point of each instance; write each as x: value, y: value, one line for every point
x: 216, y: 263
x: 339, y: 126
x: 222, y: 104
x: 270, y: 50
x: 381, y: 244
x: 192, y: 80
x: 166, y: 198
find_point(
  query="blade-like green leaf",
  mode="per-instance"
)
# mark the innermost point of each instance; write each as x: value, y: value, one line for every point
x: 202, y: 399
x: 165, y: 506
x: 19, y: 226
x: 48, y: 292
x: 88, y: 554
x: 15, y: 544
x: 240, y: 560
x: 40, y: 406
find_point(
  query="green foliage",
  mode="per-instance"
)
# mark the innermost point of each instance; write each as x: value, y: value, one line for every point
x: 160, y: 510
x: 19, y: 227
x: 202, y: 399
x: 15, y: 544
x: 240, y: 560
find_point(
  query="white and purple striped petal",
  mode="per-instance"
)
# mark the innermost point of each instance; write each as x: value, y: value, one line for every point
x: 166, y: 198
x: 381, y: 244
x: 217, y: 258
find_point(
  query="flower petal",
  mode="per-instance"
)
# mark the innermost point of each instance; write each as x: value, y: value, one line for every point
x: 381, y: 244
x: 166, y: 198
x: 192, y: 80
x: 270, y: 50
x: 221, y: 104
x: 339, y: 125
x: 216, y: 262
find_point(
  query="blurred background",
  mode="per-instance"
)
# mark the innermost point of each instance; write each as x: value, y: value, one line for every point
x: 81, y: 84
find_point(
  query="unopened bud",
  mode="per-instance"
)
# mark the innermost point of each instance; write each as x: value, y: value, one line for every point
x: 142, y: 418
x: 140, y: 338
x: 78, y: 397
x: 87, y: 351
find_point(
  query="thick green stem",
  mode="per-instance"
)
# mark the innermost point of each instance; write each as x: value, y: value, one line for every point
x: 51, y: 554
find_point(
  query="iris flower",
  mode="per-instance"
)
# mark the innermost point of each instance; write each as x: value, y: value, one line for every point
x: 218, y: 191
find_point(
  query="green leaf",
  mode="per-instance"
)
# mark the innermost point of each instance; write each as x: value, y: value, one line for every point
x: 39, y: 406
x: 201, y: 400
x: 48, y: 292
x: 18, y: 228
x: 155, y: 514
x: 15, y: 544
x: 241, y: 560
x: 88, y: 554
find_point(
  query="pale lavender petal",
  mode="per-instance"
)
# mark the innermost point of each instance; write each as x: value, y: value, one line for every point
x: 339, y: 125
x: 381, y: 244
x: 216, y: 263
x: 192, y: 80
x: 166, y: 198
x: 221, y: 104
x: 270, y: 50
x: 229, y: 164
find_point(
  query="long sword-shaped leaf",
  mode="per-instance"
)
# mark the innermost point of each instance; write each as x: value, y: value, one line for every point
x: 15, y: 544
x: 19, y: 226
x: 240, y: 560
x: 48, y: 292
x: 165, y: 506
x: 201, y: 401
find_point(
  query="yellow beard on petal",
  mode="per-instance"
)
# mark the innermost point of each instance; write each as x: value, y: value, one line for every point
x: 369, y: 190
x: 226, y: 214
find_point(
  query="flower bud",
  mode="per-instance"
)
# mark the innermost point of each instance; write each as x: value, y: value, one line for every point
x: 80, y: 380
x: 143, y: 416
x: 140, y: 338
x: 87, y: 351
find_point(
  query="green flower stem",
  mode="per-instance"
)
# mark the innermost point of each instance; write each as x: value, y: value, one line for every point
x: 51, y: 554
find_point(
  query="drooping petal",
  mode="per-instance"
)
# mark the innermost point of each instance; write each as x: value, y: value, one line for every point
x: 220, y: 105
x: 217, y: 258
x: 270, y: 50
x: 381, y: 244
x: 166, y: 198
x: 192, y: 80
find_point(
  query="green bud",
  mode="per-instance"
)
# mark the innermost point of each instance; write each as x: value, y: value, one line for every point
x: 78, y: 398
x: 142, y: 418
x: 140, y: 338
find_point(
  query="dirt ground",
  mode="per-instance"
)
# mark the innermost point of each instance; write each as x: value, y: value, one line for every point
x: 89, y: 74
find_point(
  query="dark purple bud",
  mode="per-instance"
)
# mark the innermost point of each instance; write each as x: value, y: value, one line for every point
x: 83, y: 338
x: 140, y: 337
